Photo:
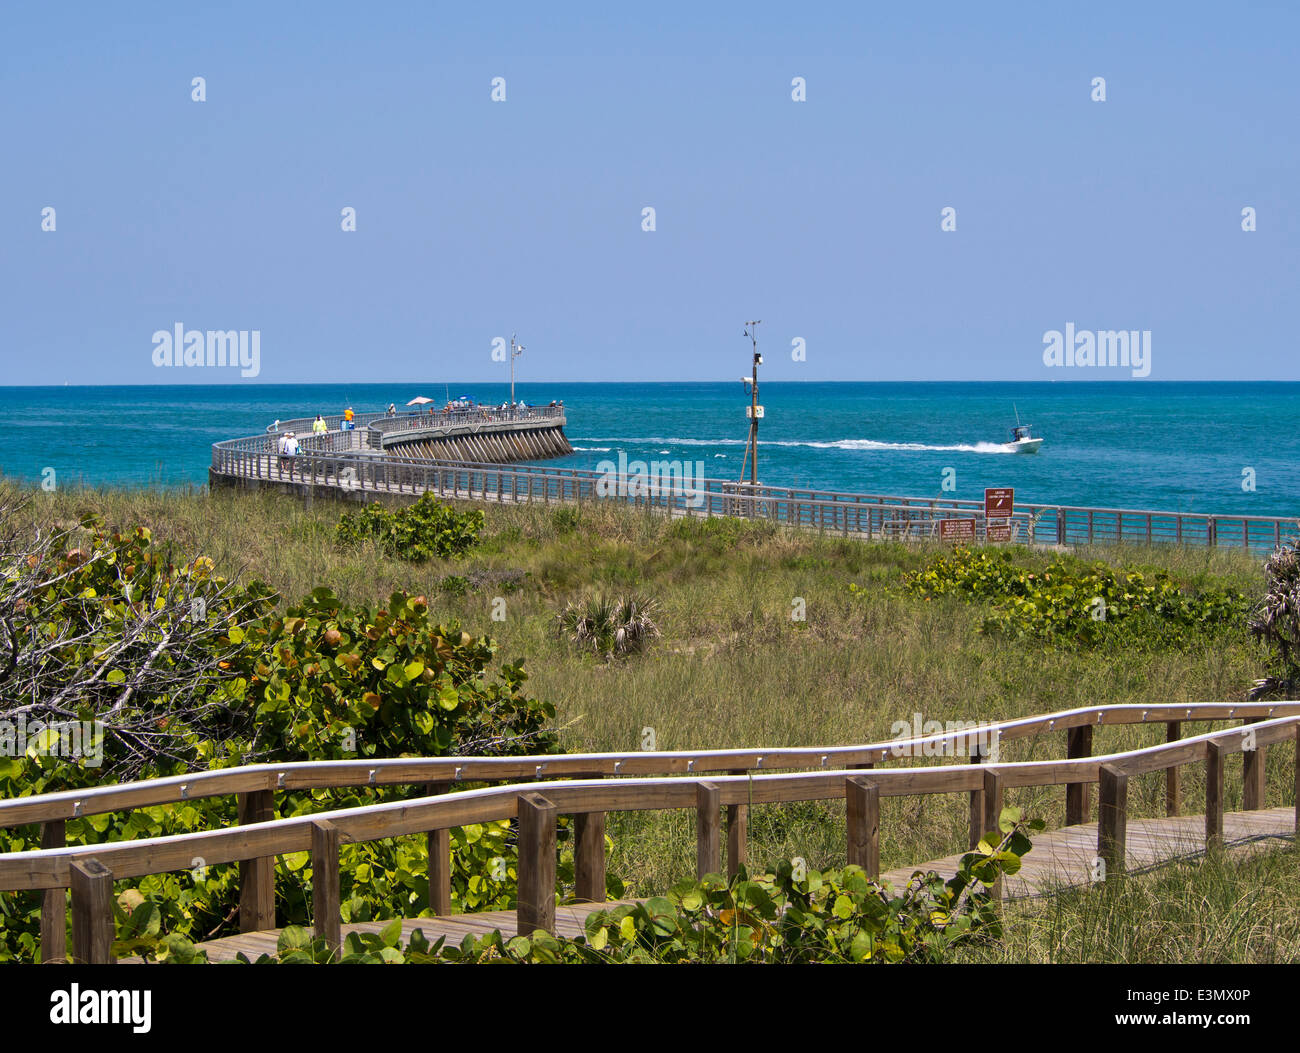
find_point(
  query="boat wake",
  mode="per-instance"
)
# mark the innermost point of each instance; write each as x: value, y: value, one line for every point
x: 838, y: 444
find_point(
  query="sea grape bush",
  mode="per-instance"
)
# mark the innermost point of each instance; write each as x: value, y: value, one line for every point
x: 793, y: 915
x: 1069, y: 602
x: 108, y: 626
x: 425, y: 530
x: 318, y: 680
x: 327, y: 681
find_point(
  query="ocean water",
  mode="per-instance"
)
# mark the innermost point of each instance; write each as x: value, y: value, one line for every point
x: 1139, y: 445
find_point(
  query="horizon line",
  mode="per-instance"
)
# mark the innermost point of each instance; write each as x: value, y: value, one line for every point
x: 1081, y: 381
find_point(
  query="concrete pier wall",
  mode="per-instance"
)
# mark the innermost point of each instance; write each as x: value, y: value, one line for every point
x: 498, y: 442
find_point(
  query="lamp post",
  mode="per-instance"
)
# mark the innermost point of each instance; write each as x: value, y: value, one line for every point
x: 515, y: 351
x: 755, y: 411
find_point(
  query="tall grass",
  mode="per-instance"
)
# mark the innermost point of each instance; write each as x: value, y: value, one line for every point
x: 733, y: 667
x: 1225, y: 909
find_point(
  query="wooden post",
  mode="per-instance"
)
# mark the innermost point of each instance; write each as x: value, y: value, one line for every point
x: 1297, y: 782
x: 976, y: 802
x: 589, y: 856
x: 439, y: 861
x: 1173, y: 781
x: 54, y: 902
x: 325, y: 905
x: 1213, y: 796
x: 1252, y: 774
x: 992, y: 812
x: 1112, y: 818
x: 708, y: 842
x: 536, y: 898
x: 92, y: 912
x: 256, y: 876
x: 1078, y: 744
x: 863, y: 805
x: 737, y: 833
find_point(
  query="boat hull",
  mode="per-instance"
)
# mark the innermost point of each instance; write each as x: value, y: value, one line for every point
x: 1025, y: 445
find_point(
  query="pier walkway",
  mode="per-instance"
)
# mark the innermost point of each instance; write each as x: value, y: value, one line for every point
x: 364, y: 465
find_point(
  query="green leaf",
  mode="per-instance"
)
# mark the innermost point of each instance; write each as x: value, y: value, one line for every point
x: 391, y: 934
x: 293, y: 938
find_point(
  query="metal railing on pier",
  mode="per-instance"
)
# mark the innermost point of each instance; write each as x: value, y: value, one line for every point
x: 337, y: 459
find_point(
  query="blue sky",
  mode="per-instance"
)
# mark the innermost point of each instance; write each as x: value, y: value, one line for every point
x: 477, y: 217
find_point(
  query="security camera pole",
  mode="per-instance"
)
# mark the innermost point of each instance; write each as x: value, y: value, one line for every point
x: 515, y: 351
x: 755, y: 411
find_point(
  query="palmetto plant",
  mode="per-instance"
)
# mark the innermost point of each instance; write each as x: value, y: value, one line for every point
x: 609, y: 627
x: 1276, y: 621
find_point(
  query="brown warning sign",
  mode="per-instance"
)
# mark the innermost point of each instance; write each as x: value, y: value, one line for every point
x: 956, y: 530
x: 997, y: 530
x: 999, y: 502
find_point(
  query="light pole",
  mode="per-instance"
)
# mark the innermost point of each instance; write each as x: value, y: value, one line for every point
x: 515, y: 351
x: 755, y: 411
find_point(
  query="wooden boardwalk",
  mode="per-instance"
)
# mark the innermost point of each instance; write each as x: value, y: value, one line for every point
x: 1065, y: 858
x: 536, y: 791
x: 569, y: 921
x: 1059, y: 859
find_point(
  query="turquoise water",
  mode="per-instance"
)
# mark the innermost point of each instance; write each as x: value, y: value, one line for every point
x: 1165, y: 446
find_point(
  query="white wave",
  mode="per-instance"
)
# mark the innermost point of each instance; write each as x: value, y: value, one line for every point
x: 838, y: 444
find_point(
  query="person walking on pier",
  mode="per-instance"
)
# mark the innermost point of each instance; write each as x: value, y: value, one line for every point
x: 318, y: 425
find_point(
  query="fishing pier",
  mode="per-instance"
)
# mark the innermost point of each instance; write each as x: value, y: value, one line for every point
x: 398, y: 459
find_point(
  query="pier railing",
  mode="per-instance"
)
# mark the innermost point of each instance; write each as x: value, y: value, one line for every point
x: 590, y: 786
x: 342, y: 463
x: 372, y: 427
x: 462, y: 418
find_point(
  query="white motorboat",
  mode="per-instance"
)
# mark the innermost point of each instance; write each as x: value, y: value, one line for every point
x: 1022, y: 441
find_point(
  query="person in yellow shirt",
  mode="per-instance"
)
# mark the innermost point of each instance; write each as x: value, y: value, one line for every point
x: 318, y: 426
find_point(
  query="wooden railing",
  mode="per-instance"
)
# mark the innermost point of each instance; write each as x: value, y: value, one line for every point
x: 591, y: 786
x: 860, y: 514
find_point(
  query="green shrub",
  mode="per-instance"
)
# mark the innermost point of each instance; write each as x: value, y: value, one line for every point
x: 794, y: 915
x: 321, y: 680
x: 566, y: 520
x: 422, y: 531
x: 1068, y: 602
x: 1275, y: 620
x: 721, y: 532
x: 610, y: 628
